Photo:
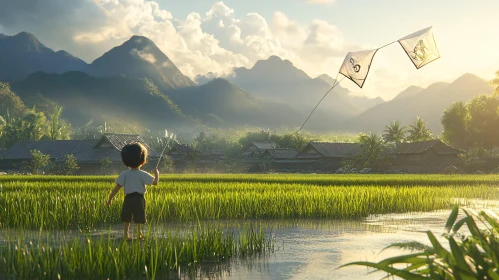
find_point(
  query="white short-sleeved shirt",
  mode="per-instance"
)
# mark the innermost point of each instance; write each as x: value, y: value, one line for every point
x: 134, y: 181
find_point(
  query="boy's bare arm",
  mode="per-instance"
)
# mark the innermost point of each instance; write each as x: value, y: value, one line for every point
x: 112, y: 194
x: 156, y: 177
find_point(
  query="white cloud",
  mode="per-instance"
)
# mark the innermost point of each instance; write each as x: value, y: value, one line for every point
x: 143, y: 54
x: 214, y: 41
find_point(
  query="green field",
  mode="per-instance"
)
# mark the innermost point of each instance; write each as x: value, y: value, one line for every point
x: 52, y: 203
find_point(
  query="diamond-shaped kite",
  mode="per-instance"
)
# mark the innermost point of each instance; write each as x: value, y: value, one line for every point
x: 356, y: 66
x: 420, y: 46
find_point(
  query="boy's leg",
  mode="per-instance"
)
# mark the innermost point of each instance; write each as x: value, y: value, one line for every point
x: 126, y: 230
x: 139, y: 215
x: 126, y: 216
x: 140, y: 235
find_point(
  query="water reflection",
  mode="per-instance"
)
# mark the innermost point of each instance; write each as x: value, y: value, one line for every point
x: 304, y: 249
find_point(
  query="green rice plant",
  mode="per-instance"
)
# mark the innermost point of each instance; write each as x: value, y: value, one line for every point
x: 475, y: 256
x: 309, y: 179
x: 69, y: 202
x: 108, y: 258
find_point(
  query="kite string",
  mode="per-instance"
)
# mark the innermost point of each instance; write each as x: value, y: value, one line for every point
x: 336, y: 82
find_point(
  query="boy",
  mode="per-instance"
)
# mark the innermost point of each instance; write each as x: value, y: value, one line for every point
x: 134, y: 182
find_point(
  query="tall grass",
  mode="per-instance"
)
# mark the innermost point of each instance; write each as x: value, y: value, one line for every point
x: 107, y: 258
x: 78, y: 202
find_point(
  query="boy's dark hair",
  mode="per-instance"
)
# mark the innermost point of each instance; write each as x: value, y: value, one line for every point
x: 134, y: 155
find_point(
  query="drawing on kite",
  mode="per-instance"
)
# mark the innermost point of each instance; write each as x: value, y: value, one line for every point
x: 420, y: 51
x: 356, y: 67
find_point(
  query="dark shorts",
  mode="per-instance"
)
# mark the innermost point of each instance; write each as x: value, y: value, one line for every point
x: 134, y: 208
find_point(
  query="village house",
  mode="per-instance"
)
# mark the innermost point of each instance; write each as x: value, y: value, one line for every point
x: 431, y: 156
x: 254, y: 150
x: 324, y: 157
x: 186, y: 157
x: 93, y: 156
x: 280, y: 160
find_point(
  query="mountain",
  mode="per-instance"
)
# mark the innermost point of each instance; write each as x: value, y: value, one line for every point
x: 279, y: 80
x: 139, y: 57
x: 361, y: 102
x: 428, y: 103
x: 86, y: 98
x: 23, y: 54
x: 409, y: 92
x: 220, y: 103
x: 138, y: 101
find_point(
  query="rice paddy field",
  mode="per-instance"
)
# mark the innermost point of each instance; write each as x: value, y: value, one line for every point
x: 59, y: 227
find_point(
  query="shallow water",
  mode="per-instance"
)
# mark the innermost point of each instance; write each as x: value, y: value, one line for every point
x: 305, y: 249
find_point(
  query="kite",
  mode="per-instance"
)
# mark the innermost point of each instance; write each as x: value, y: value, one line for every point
x: 420, y: 46
x: 356, y: 66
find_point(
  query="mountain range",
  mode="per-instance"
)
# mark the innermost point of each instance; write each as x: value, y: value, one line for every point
x: 428, y: 103
x: 136, y: 82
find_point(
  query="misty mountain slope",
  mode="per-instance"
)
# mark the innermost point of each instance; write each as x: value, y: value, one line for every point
x: 429, y: 104
x: 281, y: 81
x: 409, y: 92
x: 139, y: 57
x: 219, y: 102
x: 362, y: 103
x: 87, y: 98
x: 23, y: 54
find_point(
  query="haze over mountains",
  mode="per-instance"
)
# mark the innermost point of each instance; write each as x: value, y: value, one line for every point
x: 136, y: 82
x: 428, y: 103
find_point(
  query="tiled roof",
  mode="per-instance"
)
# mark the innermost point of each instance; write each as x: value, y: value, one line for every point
x: 83, y: 150
x: 418, y: 147
x: 120, y: 140
x: 56, y: 149
x: 184, y: 149
x: 341, y: 150
x: 281, y: 153
x: 264, y: 145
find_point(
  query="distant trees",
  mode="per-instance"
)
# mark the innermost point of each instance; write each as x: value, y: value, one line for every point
x: 39, y: 162
x: 415, y: 132
x: 371, y: 151
x: 58, y: 129
x: 295, y: 141
x: 495, y: 82
x: 30, y: 127
x: 474, y: 123
x: 419, y: 131
x: 212, y: 142
x: 394, y: 132
x: 70, y: 165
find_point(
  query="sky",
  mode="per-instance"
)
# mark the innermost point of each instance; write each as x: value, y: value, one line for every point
x: 202, y: 36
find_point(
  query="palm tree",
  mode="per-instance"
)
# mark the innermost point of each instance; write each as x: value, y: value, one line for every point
x: 419, y: 131
x: 394, y: 132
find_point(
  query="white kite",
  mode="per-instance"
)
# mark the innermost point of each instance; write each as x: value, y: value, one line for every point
x: 356, y: 66
x: 420, y: 47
